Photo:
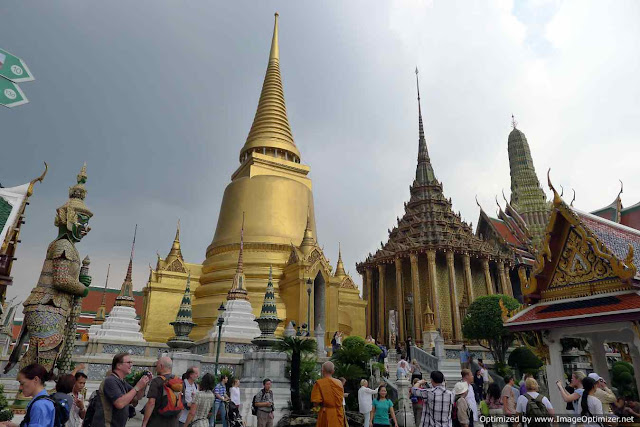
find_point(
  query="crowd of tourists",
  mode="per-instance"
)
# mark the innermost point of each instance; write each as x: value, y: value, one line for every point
x: 172, y: 401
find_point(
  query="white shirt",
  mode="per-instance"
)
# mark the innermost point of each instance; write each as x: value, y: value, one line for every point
x: 521, y: 405
x: 189, y: 390
x: 595, y: 408
x: 74, y: 414
x: 235, y: 395
x: 471, y: 400
x: 365, y: 399
x: 576, y: 403
x: 485, y: 375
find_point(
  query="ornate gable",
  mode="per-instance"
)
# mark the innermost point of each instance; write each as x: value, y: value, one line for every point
x: 574, y: 261
x: 176, y: 266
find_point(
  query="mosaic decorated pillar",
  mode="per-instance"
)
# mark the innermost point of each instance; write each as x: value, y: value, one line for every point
x: 487, y: 276
x: 509, y: 288
x: 433, y: 286
x: 455, y: 313
x: 502, y: 278
x: 368, y: 275
x: 381, y: 304
x: 417, y: 300
x: 400, y: 300
x: 468, y: 281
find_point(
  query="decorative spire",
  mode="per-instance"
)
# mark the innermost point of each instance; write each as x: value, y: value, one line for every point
x: 514, y: 124
x: 308, y: 241
x: 238, y: 290
x: 102, y: 310
x: 270, y: 129
x: 175, y: 252
x: 183, y: 324
x: 125, y: 298
x: 268, y: 320
x: 424, y: 170
x: 340, y: 267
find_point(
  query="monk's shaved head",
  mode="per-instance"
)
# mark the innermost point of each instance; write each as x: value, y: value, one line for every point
x: 328, y: 368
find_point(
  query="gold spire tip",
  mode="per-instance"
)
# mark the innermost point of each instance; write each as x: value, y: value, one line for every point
x: 275, y: 50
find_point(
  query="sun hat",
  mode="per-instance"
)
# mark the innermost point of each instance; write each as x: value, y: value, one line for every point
x: 460, y: 388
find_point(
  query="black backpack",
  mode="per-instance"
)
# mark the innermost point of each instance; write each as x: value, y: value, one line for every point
x: 61, y: 411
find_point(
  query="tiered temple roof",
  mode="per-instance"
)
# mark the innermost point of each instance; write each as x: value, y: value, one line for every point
x: 629, y: 216
x: 429, y: 221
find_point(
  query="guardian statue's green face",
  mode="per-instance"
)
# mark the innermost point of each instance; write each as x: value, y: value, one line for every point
x: 80, y: 228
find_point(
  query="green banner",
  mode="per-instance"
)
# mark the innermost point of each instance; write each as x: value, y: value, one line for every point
x: 14, y: 68
x: 10, y: 94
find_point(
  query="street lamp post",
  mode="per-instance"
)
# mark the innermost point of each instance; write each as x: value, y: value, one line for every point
x: 221, y: 311
x: 309, y: 286
x: 411, y: 319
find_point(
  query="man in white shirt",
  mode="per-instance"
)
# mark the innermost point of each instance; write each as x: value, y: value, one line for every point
x: 189, y: 391
x: 532, y: 390
x: 467, y: 377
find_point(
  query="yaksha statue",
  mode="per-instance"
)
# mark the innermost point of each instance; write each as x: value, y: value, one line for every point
x: 50, y: 303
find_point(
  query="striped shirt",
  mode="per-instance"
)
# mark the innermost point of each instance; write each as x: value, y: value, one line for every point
x: 436, y: 409
x: 220, y: 390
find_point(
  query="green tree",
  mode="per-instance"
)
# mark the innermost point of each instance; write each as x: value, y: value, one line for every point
x: 525, y: 361
x: 5, y: 413
x: 623, y: 379
x: 296, y: 347
x: 351, y: 362
x: 483, y: 322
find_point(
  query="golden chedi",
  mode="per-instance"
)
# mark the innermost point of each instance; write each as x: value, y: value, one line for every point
x: 272, y: 189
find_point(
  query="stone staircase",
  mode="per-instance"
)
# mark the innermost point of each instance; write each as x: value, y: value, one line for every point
x: 451, y: 370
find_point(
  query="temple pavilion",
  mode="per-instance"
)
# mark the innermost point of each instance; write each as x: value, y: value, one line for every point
x: 433, y: 265
x: 585, y: 285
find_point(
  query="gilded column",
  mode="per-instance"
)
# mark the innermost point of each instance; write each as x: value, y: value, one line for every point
x: 368, y: 276
x: 417, y: 300
x: 468, y: 280
x: 400, y: 300
x: 509, y: 288
x: 380, y: 319
x: 433, y: 286
x: 502, y: 278
x: 487, y: 276
x: 455, y: 312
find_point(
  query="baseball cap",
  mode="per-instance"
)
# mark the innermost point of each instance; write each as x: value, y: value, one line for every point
x: 595, y: 376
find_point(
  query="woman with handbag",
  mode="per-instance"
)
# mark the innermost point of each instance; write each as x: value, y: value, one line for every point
x: 202, y: 403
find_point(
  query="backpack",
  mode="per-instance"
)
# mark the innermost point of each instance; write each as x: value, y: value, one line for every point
x: 535, y: 409
x: 254, y: 408
x: 454, y: 414
x: 61, y: 411
x: 170, y: 402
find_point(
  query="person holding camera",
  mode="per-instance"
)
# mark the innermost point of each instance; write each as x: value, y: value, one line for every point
x: 116, y: 395
x: 263, y: 405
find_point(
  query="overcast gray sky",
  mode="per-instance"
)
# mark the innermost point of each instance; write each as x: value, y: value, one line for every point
x: 158, y: 98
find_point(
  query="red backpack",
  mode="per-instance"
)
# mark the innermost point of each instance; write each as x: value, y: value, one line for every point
x: 170, y: 404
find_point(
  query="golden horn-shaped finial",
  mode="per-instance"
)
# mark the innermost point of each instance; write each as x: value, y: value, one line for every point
x: 556, y: 197
x: 38, y: 179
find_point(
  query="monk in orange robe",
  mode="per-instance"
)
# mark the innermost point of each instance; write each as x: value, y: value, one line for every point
x: 328, y: 394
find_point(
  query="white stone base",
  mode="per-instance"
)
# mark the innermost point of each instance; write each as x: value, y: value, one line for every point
x: 121, y: 325
x: 239, y: 322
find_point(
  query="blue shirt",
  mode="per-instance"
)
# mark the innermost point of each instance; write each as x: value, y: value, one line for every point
x: 43, y: 413
x: 464, y: 356
x: 220, y: 390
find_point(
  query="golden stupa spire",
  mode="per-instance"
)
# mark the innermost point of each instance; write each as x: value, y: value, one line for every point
x: 340, y: 267
x: 270, y: 132
x: 308, y: 241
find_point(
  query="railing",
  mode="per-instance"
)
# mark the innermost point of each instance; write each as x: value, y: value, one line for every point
x: 426, y: 361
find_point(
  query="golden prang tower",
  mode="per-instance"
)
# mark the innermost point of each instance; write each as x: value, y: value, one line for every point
x: 272, y: 189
